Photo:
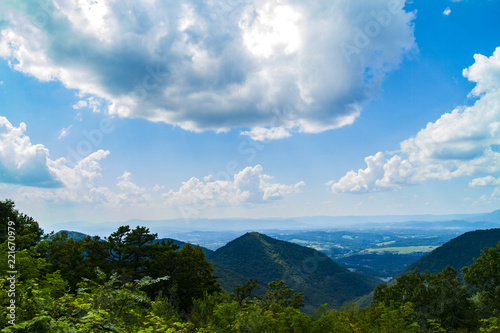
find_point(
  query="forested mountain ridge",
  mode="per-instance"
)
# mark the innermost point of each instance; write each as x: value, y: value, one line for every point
x: 266, y: 259
x: 458, y: 252
x: 130, y: 283
x: 257, y: 256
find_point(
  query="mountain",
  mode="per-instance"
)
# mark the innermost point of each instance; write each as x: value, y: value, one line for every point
x: 490, y: 217
x: 167, y: 227
x: 227, y: 278
x: 266, y: 259
x: 75, y: 235
x: 458, y: 252
x: 181, y: 244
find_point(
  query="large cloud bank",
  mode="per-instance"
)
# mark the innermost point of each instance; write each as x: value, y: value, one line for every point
x: 270, y: 67
x: 464, y: 142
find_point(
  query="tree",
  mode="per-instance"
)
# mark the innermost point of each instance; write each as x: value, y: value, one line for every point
x: 65, y: 255
x: 26, y: 230
x: 96, y: 253
x: 441, y: 297
x: 245, y: 291
x: 483, y: 277
x: 131, y: 251
x: 191, y: 275
x: 280, y: 294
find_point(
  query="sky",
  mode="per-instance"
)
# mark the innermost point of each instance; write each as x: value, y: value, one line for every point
x: 115, y: 110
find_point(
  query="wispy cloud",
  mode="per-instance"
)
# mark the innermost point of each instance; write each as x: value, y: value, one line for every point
x: 64, y: 132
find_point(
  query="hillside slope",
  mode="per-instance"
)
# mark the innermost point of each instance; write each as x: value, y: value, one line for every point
x: 458, y: 252
x: 266, y: 259
x: 181, y: 244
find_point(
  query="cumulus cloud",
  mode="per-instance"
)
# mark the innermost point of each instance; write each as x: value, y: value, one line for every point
x: 485, y: 181
x: 21, y: 162
x: 25, y: 164
x: 82, y: 184
x: 250, y: 185
x: 126, y: 193
x: 216, y: 64
x: 459, y: 143
x: 447, y: 11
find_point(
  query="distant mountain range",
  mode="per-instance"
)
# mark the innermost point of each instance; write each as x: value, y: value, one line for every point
x: 464, y: 222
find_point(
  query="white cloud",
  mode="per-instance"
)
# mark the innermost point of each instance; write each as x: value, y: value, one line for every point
x: 83, y: 184
x: 215, y: 65
x: 261, y: 133
x: 83, y: 175
x: 25, y: 164
x: 28, y: 165
x: 22, y: 162
x: 459, y: 143
x: 248, y: 186
x: 447, y: 11
x: 127, y: 193
x: 485, y: 181
x: 275, y: 26
x: 64, y: 132
x: 80, y: 105
x: 91, y: 102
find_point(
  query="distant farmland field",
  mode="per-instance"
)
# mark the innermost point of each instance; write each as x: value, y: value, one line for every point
x: 401, y: 250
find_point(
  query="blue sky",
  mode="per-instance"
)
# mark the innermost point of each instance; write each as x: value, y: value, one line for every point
x: 114, y: 110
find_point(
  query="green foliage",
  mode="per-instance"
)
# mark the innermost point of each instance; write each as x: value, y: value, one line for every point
x: 380, y: 318
x: 65, y: 255
x: 483, y: 277
x: 440, y: 297
x: 130, y: 282
x: 245, y: 291
x: 490, y: 325
x: 26, y: 230
x: 107, y: 305
x: 279, y: 295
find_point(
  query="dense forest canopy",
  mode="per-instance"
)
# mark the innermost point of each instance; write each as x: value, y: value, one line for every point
x: 131, y: 282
